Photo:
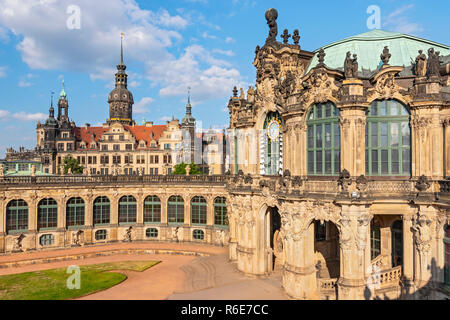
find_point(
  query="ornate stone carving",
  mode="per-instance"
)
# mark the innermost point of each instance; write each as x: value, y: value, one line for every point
x: 76, y: 237
x: 127, y: 236
x: 285, y: 36
x: 385, y: 56
x: 351, y: 66
x: 321, y: 55
x: 361, y: 183
x: 433, y: 64
x: 344, y: 180
x: 422, y: 184
x: 18, y: 243
x: 362, y: 231
x: 296, y: 37
x: 422, y: 233
x: 420, y: 67
x: 271, y: 17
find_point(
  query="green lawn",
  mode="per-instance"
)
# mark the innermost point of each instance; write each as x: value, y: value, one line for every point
x: 51, y: 284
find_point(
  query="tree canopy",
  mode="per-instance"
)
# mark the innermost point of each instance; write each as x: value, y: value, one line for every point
x: 181, y: 169
x: 72, y: 164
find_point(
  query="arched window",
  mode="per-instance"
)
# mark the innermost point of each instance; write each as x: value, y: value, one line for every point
x: 324, y: 140
x: 152, y: 210
x: 102, y: 211
x: 175, y: 209
x: 17, y: 216
x: 75, y: 212
x: 388, y: 139
x: 375, y: 239
x: 220, y: 212
x: 447, y: 255
x: 271, y: 159
x: 127, y: 210
x: 198, y: 210
x: 47, y: 214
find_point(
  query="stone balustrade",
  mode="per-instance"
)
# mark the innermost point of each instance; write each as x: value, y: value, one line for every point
x: 327, y: 284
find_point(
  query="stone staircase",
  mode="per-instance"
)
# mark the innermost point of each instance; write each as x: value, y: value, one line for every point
x: 200, y: 275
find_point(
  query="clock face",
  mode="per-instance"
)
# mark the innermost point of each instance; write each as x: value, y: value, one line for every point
x: 273, y: 130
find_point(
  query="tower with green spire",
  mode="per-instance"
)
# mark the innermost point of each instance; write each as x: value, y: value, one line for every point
x: 188, y: 132
x: 63, y: 106
x: 120, y: 99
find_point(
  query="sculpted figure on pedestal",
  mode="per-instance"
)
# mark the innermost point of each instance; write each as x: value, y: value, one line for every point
x: 421, y: 64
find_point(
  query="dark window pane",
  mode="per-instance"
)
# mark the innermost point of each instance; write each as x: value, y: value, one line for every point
x: 328, y: 110
x: 384, y: 134
x: 327, y: 161
x: 406, y: 156
x: 374, y: 109
x: 394, y: 134
x: 319, y: 136
x: 337, y: 136
x: 311, y: 161
x: 383, y: 108
x: 395, y: 161
x: 374, y: 141
x: 311, y: 137
x: 405, y: 134
x: 374, y: 161
x: 319, y: 162
x: 319, y: 111
x: 337, y: 161
x: 328, y: 136
x: 384, y: 162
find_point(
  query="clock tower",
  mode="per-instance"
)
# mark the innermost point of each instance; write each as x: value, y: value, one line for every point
x: 120, y: 99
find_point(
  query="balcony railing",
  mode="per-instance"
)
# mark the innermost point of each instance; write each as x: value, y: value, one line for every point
x: 110, y: 179
x: 327, y: 284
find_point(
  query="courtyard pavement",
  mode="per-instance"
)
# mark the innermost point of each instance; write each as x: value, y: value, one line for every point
x: 177, y: 276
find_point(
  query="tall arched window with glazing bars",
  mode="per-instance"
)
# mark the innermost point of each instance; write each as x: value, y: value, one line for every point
x: 175, y: 210
x: 271, y: 145
x: 17, y: 216
x: 75, y: 212
x: 152, y: 209
x: 324, y: 140
x: 198, y: 210
x: 47, y: 214
x: 388, y: 139
x: 102, y: 211
x: 127, y: 210
x: 220, y: 212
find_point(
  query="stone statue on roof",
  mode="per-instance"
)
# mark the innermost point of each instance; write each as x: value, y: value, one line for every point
x: 433, y: 63
x: 421, y: 64
x: 271, y: 17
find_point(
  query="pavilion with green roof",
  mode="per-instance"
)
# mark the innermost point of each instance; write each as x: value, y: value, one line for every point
x: 368, y: 47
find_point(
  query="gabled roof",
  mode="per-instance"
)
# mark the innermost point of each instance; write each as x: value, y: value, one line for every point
x: 369, y: 45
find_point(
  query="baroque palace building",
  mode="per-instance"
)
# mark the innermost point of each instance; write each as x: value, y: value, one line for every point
x: 339, y: 174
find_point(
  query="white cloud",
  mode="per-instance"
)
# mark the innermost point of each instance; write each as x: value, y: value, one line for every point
x: 208, y: 77
x: 24, y: 84
x: 150, y: 38
x: 228, y: 53
x: 142, y: 105
x: 165, y: 118
x: 163, y: 18
x: 230, y: 40
x: 399, y: 21
x: 206, y: 35
x: 2, y: 72
x: 21, y: 116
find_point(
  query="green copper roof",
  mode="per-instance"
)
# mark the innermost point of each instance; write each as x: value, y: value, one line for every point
x: 63, y: 92
x: 369, y: 45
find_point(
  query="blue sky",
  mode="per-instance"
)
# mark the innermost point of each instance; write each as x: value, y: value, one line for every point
x: 169, y: 45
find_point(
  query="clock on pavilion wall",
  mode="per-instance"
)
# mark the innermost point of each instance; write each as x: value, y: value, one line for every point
x: 273, y: 129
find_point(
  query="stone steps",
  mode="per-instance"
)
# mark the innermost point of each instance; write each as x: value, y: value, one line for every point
x: 200, y: 275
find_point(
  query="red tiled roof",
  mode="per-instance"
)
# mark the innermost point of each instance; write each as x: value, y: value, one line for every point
x: 138, y: 132
x: 144, y: 133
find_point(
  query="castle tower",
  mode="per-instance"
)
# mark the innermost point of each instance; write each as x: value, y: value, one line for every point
x: 120, y: 99
x: 188, y: 132
x: 63, y: 106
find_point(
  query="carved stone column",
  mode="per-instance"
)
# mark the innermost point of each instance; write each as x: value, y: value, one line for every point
x: 165, y: 232
x: 61, y: 223
x: 446, y: 123
x: 408, y: 256
x: 2, y: 223
x: 32, y: 213
x: 233, y: 225
x: 88, y: 221
x: 354, y: 241
x: 423, y: 234
x: 114, y: 218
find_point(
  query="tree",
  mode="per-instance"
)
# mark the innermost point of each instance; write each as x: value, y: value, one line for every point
x: 181, y: 169
x: 72, y: 164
